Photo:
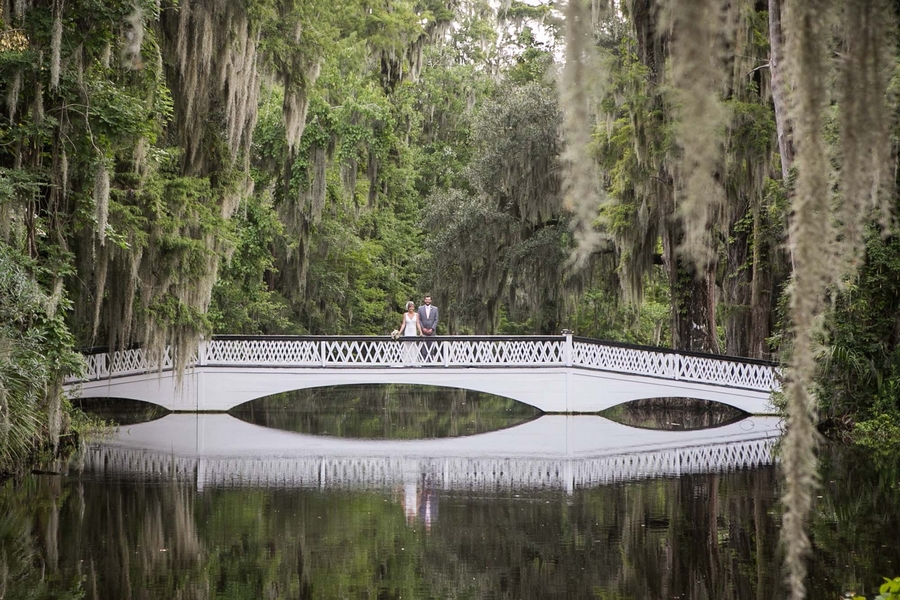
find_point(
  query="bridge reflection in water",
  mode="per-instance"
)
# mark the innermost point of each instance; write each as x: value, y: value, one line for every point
x: 553, y: 451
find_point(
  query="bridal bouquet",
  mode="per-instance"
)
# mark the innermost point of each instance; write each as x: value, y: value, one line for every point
x: 395, y: 334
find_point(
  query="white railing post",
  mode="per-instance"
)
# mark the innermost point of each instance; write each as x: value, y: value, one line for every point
x: 201, y: 352
x: 445, y: 353
x: 677, y: 367
x: 323, y: 352
x: 568, y: 352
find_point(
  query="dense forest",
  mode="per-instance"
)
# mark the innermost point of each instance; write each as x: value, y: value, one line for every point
x: 710, y: 176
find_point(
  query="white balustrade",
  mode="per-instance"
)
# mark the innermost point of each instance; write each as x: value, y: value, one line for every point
x: 728, y: 372
x: 139, y: 360
x: 97, y: 366
x: 135, y: 361
x: 461, y: 351
x: 263, y: 352
x: 621, y: 359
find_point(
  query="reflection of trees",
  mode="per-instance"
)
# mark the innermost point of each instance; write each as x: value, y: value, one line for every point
x: 29, y: 538
x: 855, y: 522
x: 697, y: 537
x: 686, y: 538
x: 121, y: 411
x: 150, y: 545
x: 676, y: 414
x: 109, y: 540
x: 675, y: 538
x: 386, y: 411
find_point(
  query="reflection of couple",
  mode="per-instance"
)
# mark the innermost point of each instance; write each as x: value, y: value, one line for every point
x: 419, y: 503
x: 423, y: 322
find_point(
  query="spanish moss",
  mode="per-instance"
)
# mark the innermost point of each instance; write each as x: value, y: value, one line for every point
x: 55, y: 44
x: 698, y: 79
x: 806, y: 27
x: 101, y: 199
x: 865, y: 124
x: 582, y: 194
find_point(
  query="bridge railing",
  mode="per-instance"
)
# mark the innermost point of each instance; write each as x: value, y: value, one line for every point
x: 133, y: 361
x: 468, y: 351
x: 679, y: 366
x: 449, y: 351
x: 97, y: 367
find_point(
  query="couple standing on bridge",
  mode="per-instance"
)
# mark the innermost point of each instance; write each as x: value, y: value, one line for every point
x: 423, y: 322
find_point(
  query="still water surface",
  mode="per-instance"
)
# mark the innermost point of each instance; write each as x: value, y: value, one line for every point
x: 346, y: 494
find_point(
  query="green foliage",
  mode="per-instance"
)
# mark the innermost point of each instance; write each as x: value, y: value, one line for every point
x: 503, y: 237
x: 600, y: 313
x: 35, y: 356
x: 880, y: 434
x: 859, y: 367
x: 889, y: 590
x: 533, y: 61
x: 386, y: 412
x: 242, y: 301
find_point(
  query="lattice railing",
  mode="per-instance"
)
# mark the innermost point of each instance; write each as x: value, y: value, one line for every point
x: 134, y: 361
x: 262, y: 352
x: 97, y: 366
x: 381, y: 352
x: 621, y: 359
x: 711, y: 369
x: 456, y: 351
x: 728, y: 372
x: 501, y: 352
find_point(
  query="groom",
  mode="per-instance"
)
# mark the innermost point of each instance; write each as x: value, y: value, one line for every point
x: 428, y: 319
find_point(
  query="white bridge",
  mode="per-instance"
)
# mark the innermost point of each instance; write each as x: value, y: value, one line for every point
x: 556, y: 374
x: 553, y: 451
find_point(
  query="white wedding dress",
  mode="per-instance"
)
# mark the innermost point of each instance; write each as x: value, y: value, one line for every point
x: 410, y: 348
x: 409, y: 329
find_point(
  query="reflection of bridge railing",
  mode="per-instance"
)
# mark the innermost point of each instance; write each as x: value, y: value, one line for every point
x: 448, y: 351
x: 443, y: 473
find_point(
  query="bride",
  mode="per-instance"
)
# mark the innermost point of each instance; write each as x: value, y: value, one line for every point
x: 410, y: 328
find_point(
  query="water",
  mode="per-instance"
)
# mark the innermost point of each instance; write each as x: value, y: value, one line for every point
x: 386, y: 412
x: 216, y: 506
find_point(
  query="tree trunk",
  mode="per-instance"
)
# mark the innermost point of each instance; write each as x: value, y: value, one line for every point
x: 779, y: 91
x: 761, y: 290
x: 737, y: 291
x: 693, y: 295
